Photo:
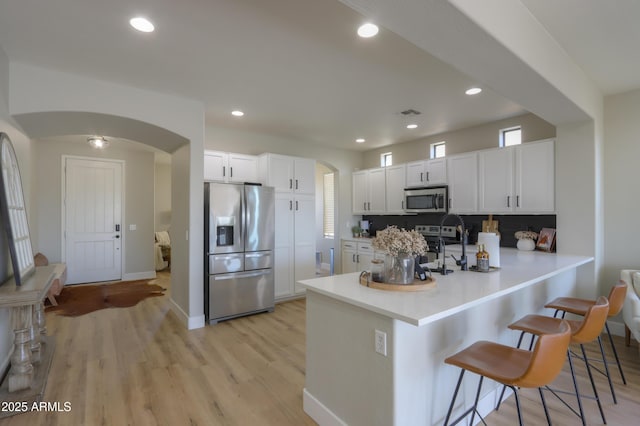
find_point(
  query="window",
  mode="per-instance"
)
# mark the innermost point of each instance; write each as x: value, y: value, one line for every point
x: 511, y: 136
x: 386, y: 159
x: 438, y: 150
x: 328, y: 206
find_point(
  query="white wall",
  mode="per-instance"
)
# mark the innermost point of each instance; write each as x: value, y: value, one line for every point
x: 162, y: 204
x: 464, y: 140
x: 138, y: 204
x: 621, y: 194
x: 39, y: 91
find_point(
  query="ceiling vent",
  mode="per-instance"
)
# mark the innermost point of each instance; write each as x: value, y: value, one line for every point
x: 410, y: 112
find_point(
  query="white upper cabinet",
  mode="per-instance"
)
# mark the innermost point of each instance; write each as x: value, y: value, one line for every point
x: 462, y: 176
x: 518, y: 179
x: 426, y: 173
x: 395, y: 184
x: 230, y: 167
x: 369, y: 191
x: 535, y: 177
x: 495, y: 181
x: 288, y: 174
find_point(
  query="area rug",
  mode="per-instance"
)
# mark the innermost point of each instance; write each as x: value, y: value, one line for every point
x: 78, y: 300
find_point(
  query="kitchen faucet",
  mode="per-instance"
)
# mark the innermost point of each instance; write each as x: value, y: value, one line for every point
x: 463, y: 259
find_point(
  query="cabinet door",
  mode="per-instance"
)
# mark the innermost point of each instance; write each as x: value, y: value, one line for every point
x: 283, y: 246
x: 304, y: 239
x: 280, y: 172
x: 495, y: 181
x: 376, y: 204
x: 364, y: 261
x: 462, y: 176
x: 243, y: 168
x: 215, y: 166
x: 415, y: 174
x: 360, y: 194
x: 436, y: 171
x: 535, y: 177
x: 349, y: 262
x: 395, y: 184
x: 304, y: 179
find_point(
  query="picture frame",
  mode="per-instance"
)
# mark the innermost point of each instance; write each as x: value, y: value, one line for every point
x: 546, y: 240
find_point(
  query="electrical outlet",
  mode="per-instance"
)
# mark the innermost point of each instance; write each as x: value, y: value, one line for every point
x: 381, y: 342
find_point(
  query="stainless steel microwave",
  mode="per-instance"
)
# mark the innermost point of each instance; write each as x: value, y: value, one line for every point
x: 431, y: 199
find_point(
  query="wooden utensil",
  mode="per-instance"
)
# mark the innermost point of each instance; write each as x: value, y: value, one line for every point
x: 490, y: 225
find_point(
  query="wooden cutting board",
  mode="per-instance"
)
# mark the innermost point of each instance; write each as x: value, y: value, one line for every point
x: 490, y: 225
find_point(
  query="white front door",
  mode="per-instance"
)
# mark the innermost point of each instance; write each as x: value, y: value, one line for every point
x: 92, y: 215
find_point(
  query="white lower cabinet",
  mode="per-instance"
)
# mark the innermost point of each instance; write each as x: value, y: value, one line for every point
x: 357, y: 256
x: 295, y: 244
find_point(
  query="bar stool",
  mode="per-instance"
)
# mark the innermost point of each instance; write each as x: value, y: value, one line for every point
x: 513, y: 367
x: 580, y: 307
x: 582, y: 332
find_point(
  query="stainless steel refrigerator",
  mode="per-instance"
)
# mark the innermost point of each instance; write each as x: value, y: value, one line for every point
x: 239, y: 241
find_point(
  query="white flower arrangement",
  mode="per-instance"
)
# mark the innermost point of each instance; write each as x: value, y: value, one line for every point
x: 395, y: 241
x: 526, y: 235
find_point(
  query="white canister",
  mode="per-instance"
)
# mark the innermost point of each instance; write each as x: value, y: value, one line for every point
x: 491, y: 243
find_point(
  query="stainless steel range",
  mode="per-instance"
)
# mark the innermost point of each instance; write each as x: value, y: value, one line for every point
x: 436, y: 235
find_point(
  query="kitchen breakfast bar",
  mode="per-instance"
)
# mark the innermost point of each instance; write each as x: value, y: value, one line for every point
x: 348, y: 382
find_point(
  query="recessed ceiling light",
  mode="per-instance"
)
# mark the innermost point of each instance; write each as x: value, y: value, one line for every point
x: 142, y: 24
x: 412, y: 126
x: 360, y: 140
x: 237, y: 113
x: 473, y: 91
x: 367, y: 30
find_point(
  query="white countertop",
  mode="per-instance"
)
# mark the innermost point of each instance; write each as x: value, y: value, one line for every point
x: 453, y: 293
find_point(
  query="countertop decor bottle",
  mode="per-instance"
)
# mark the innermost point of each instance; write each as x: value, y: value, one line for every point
x: 482, y: 259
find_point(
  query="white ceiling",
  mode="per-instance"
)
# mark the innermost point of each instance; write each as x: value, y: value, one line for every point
x: 296, y: 67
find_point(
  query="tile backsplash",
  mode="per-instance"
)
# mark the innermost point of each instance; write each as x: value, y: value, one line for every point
x: 508, y: 225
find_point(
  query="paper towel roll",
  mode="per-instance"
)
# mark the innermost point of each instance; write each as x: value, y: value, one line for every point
x: 491, y: 243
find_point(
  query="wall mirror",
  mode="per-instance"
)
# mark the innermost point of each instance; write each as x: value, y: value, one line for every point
x: 14, y: 212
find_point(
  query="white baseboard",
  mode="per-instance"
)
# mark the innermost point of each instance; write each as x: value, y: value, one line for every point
x: 617, y: 328
x: 146, y: 275
x: 190, y: 322
x: 318, y: 412
x: 325, y: 417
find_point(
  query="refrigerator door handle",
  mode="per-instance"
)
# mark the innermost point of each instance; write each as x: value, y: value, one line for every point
x: 234, y: 275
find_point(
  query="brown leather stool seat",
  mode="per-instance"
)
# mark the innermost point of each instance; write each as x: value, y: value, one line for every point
x: 513, y: 367
x: 584, y: 331
x: 581, y: 306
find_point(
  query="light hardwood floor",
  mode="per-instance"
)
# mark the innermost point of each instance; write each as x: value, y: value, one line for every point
x: 139, y: 366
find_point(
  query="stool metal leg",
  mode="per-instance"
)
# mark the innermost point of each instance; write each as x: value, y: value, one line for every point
x: 575, y: 386
x: 475, y: 403
x: 615, y: 353
x: 593, y: 385
x: 544, y: 405
x: 606, y: 369
x: 453, y: 400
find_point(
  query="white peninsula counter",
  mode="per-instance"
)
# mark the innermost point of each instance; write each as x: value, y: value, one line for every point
x: 348, y: 382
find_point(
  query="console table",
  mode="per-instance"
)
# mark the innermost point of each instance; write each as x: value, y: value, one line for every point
x: 33, y: 349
